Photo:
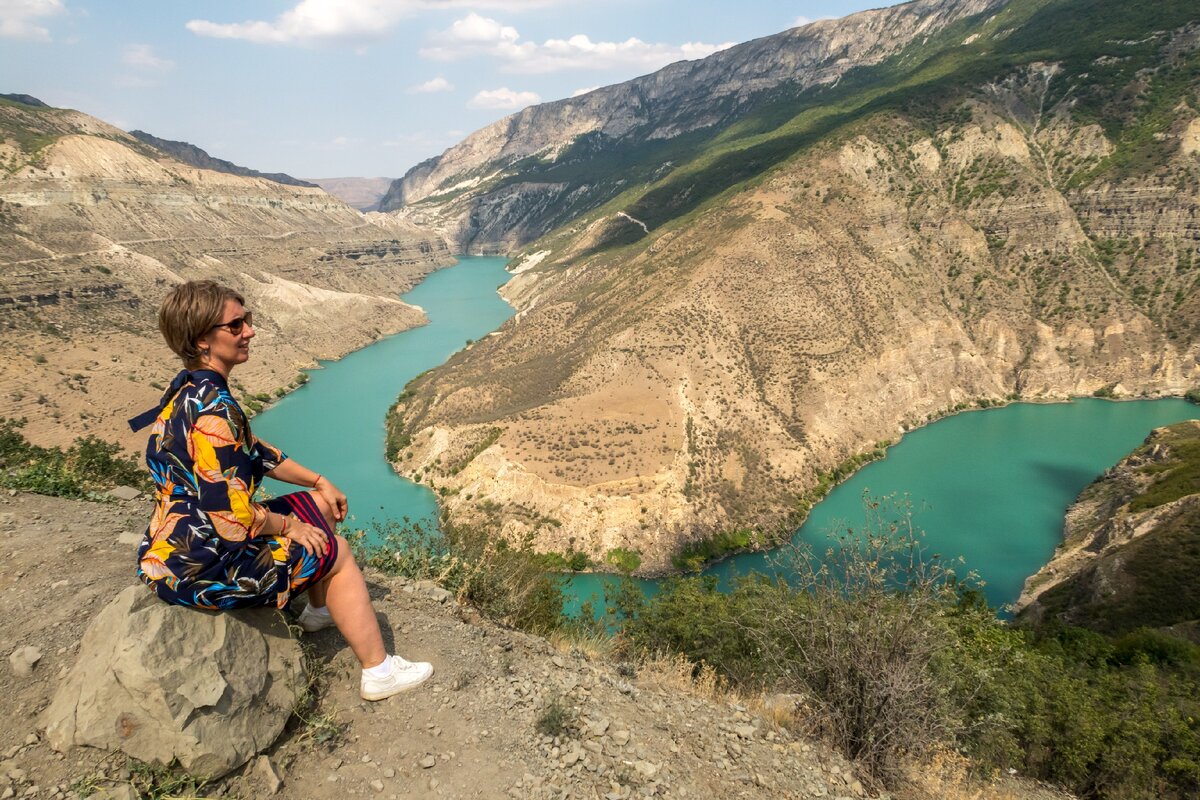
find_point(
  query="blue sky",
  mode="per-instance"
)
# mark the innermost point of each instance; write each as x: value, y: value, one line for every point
x: 327, y: 88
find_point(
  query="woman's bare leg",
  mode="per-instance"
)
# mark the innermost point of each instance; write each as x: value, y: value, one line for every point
x: 318, y: 593
x: 350, y: 606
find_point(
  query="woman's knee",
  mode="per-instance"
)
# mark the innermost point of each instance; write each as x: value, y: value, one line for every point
x: 324, y: 507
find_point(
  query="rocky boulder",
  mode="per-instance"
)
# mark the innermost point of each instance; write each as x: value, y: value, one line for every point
x: 163, y: 682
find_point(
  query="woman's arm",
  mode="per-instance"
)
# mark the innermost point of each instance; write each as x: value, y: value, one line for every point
x: 295, y: 473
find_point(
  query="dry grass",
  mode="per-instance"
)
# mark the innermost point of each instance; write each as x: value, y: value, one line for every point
x: 946, y: 775
x: 592, y: 644
x: 675, y: 673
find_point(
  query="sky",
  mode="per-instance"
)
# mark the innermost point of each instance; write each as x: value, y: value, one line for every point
x: 335, y: 88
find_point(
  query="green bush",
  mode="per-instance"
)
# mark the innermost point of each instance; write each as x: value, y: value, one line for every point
x: 898, y: 656
x: 625, y: 560
x: 88, y: 467
x: 508, y: 583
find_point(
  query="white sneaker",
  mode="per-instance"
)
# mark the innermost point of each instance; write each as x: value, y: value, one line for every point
x: 405, y: 675
x: 311, y: 620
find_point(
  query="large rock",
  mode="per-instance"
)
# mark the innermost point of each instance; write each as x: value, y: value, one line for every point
x: 163, y: 682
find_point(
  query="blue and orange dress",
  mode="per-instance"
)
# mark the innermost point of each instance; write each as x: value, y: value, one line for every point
x: 205, y: 545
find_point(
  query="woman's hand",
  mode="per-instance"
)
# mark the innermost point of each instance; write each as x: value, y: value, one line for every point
x: 333, y: 496
x: 312, y: 539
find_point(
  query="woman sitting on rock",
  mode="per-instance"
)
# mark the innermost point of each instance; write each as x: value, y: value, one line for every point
x: 209, y: 545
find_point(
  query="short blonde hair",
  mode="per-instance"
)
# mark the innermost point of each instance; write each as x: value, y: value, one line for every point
x: 189, y: 311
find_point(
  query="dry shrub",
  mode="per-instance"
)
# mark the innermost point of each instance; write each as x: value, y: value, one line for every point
x: 673, y: 672
x: 947, y: 775
x: 862, y: 633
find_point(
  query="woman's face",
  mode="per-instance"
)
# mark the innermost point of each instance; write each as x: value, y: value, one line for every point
x: 226, y: 348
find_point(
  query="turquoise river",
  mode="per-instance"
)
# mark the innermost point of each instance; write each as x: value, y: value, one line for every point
x: 990, y: 486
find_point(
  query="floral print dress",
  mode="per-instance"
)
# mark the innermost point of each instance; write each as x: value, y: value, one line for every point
x: 205, y: 545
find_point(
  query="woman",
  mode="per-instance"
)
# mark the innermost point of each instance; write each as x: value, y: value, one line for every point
x: 209, y: 545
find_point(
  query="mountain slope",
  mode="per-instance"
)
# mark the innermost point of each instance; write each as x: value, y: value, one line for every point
x: 190, y: 154
x: 522, y: 176
x: 95, y: 226
x: 966, y: 223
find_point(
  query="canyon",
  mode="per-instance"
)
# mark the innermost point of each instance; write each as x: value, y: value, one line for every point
x: 972, y: 224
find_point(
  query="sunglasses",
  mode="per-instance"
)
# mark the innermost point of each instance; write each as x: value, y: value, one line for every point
x: 235, y: 326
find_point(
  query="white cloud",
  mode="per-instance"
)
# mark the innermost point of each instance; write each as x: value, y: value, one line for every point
x: 579, y: 92
x: 142, y: 56
x: 475, y: 35
x: 438, y: 84
x: 17, y: 18
x: 348, y: 21
x: 503, y: 98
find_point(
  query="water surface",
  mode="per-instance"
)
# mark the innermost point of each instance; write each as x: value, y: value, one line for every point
x: 334, y: 424
x: 991, y: 486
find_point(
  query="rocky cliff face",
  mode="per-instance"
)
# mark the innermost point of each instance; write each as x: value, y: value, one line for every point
x: 95, y: 227
x: 681, y: 367
x: 490, y: 193
x: 1131, y: 543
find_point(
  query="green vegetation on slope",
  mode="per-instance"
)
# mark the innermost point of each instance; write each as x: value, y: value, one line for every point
x: 898, y: 658
x: 88, y: 467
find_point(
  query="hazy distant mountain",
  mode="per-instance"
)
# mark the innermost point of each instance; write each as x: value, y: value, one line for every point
x: 1007, y: 206
x: 361, y: 193
x: 190, y: 154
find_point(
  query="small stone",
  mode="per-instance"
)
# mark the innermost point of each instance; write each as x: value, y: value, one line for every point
x: 745, y: 731
x: 268, y: 774
x: 427, y: 762
x: 23, y: 659
x: 645, y: 769
x: 377, y: 785
x: 557, y: 661
x: 31, y: 738
x: 619, y: 738
x: 127, y: 537
x: 389, y: 772
x: 124, y: 493
x: 8, y: 792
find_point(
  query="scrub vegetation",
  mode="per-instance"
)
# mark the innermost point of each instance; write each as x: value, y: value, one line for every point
x: 85, y: 469
x: 896, y: 655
